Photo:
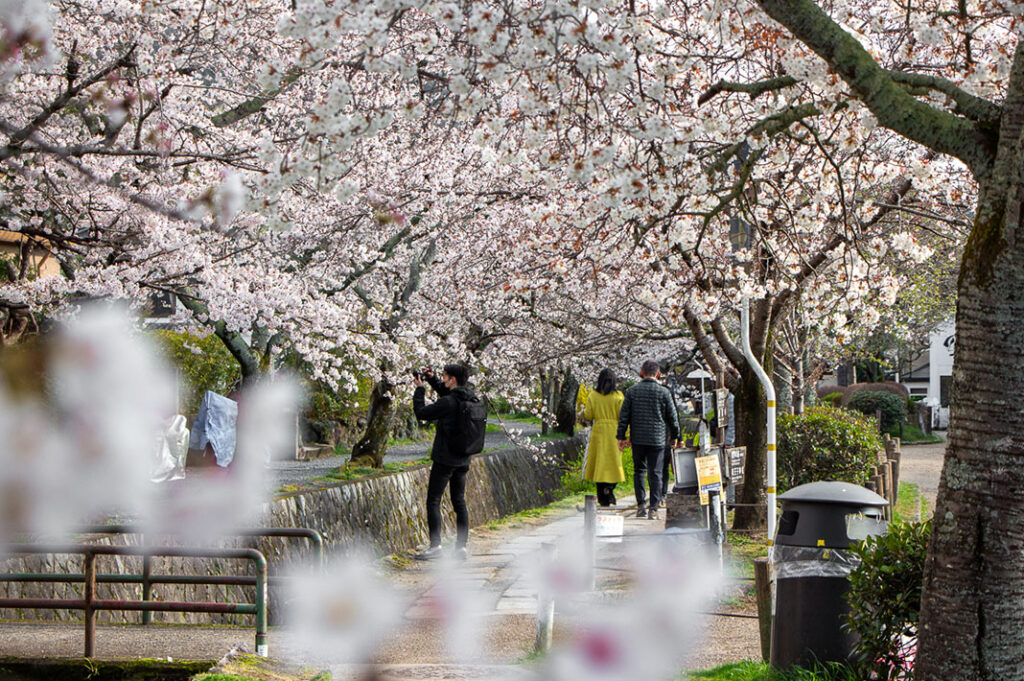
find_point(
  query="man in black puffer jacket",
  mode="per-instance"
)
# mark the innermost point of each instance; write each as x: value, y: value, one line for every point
x: 650, y: 415
x: 449, y: 467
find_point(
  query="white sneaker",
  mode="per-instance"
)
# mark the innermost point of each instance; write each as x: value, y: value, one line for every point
x: 429, y: 554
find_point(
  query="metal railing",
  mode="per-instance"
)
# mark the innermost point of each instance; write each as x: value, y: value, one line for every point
x: 315, y: 538
x: 91, y: 605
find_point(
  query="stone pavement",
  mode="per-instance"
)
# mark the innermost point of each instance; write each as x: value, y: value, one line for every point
x: 498, y: 579
x: 501, y: 573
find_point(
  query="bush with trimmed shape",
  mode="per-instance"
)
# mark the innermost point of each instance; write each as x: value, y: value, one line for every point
x: 826, y: 443
x: 897, y: 389
x: 892, y: 407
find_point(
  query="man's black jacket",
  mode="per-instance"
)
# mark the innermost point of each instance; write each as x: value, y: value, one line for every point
x: 445, y: 412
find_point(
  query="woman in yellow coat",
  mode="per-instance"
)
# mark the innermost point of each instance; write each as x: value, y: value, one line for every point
x: 604, y: 460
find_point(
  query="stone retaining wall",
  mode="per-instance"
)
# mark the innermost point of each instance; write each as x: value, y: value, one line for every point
x: 386, y: 514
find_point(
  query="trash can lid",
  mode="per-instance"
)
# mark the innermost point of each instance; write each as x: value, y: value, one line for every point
x: 833, y: 492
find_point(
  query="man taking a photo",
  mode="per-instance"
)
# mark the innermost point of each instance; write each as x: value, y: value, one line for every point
x: 461, y: 422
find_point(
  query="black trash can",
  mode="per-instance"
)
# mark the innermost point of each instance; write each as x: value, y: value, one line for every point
x: 811, y: 566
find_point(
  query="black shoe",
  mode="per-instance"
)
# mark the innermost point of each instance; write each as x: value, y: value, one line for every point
x: 432, y: 553
x: 641, y: 511
x: 653, y: 514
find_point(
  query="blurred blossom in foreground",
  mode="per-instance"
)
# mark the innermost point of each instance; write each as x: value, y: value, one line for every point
x: 460, y: 607
x: 83, y: 412
x: 212, y: 502
x: 77, y: 440
x: 340, y: 615
x: 647, y: 634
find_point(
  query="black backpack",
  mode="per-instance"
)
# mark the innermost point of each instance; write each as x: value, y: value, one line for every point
x: 469, y: 427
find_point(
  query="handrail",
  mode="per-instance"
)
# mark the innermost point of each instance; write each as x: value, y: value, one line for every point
x: 314, y: 536
x: 90, y: 604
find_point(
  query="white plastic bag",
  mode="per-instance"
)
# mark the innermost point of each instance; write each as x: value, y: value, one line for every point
x: 173, y: 446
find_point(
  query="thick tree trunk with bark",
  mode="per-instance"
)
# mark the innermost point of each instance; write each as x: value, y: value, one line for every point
x: 372, y: 447
x: 972, y: 614
x: 782, y: 379
x: 565, y: 413
x: 751, y: 420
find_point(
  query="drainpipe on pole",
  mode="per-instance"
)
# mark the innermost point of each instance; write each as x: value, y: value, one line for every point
x: 769, y: 390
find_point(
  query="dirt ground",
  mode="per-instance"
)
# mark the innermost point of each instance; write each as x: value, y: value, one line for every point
x: 922, y: 466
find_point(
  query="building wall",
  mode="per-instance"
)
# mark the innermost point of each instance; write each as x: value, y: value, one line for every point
x: 940, y: 358
x: 10, y: 245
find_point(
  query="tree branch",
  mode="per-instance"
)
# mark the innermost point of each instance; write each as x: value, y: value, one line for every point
x: 891, y: 104
x: 18, y: 137
x: 755, y: 89
x: 233, y: 341
x: 968, y: 105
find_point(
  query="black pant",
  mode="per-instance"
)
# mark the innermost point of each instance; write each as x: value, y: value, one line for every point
x: 647, y: 459
x: 440, y: 475
x: 605, y: 493
x: 664, y: 471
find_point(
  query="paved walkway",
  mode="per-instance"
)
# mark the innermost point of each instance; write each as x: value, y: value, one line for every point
x: 497, y: 585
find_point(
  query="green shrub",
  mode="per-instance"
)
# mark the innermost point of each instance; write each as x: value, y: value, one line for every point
x: 885, y: 598
x: 825, y: 443
x: 897, y: 389
x: 326, y: 404
x: 204, y: 363
x: 833, y: 398
x: 892, y: 407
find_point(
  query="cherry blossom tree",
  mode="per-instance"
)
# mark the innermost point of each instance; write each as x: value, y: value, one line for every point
x: 934, y: 92
x: 227, y: 151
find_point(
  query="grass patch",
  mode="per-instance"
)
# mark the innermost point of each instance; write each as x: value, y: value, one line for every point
x: 909, y: 503
x: 347, y: 472
x: 912, y: 435
x: 743, y: 549
x: 748, y: 670
x: 519, y: 417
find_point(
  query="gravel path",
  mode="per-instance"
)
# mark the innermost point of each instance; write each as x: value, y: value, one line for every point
x: 300, y: 473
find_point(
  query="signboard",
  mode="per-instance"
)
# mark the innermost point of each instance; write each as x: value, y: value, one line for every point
x: 709, y: 476
x: 736, y: 458
x: 609, y: 525
x: 721, y: 407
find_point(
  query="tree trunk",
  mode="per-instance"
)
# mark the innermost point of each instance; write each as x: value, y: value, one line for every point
x: 751, y: 420
x: 565, y: 412
x: 972, y: 610
x: 372, y: 447
x: 800, y: 384
x: 782, y: 379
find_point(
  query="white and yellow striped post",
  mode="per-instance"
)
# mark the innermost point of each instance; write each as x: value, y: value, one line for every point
x: 769, y: 389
